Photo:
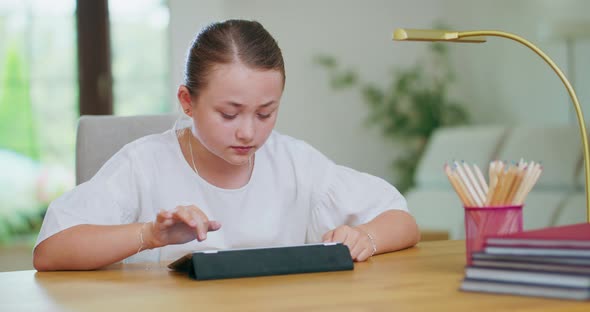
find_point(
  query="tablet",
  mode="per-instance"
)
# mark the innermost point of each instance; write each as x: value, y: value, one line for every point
x: 249, y: 262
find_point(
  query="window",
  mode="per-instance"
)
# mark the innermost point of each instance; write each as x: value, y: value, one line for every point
x: 139, y: 53
x: 38, y: 107
x: 39, y: 94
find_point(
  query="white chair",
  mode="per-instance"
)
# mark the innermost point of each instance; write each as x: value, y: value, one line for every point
x: 100, y: 137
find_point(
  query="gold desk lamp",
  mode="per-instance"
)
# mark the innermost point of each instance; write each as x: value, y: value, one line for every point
x: 479, y: 36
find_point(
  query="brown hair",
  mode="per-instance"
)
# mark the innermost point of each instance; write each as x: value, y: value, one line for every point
x: 228, y: 41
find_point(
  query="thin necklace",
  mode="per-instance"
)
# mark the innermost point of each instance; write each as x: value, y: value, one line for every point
x: 190, y: 147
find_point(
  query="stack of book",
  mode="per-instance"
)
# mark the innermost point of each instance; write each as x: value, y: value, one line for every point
x: 552, y: 262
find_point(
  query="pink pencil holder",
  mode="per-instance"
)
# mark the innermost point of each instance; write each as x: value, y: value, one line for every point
x: 481, y: 222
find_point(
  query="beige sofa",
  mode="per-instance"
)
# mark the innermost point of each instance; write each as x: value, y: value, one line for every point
x: 558, y: 197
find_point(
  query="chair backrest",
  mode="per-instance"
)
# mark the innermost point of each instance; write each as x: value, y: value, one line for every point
x: 100, y: 137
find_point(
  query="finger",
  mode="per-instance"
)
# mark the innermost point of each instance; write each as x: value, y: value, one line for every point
x: 327, y: 238
x: 197, y: 214
x: 163, y: 220
x: 354, y: 243
x: 364, y: 255
x: 358, y: 248
x: 163, y: 215
x: 183, y: 215
x: 214, y: 226
x: 202, y: 225
x: 201, y: 229
x: 340, y: 235
x: 167, y: 223
x: 351, y: 238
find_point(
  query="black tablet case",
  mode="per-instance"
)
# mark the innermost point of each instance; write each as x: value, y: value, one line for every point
x: 207, y: 265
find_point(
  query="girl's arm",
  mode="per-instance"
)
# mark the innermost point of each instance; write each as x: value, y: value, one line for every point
x: 88, y: 247
x: 393, y: 230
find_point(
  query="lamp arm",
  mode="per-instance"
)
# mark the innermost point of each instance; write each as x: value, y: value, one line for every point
x: 568, y: 86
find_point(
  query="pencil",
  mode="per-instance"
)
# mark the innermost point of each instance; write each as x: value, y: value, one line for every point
x: 509, y: 183
x: 475, y: 183
x: 493, y: 182
x: 534, y: 178
x: 468, y: 186
x: 519, y: 198
x: 481, y: 179
x: 500, y: 173
x: 516, y: 185
x: 456, y: 186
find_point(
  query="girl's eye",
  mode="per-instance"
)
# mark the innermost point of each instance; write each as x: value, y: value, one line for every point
x: 264, y: 116
x: 228, y: 116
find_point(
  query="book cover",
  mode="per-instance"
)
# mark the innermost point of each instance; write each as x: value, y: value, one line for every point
x: 538, y: 251
x: 545, y: 267
x: 529, y: 277
x: 532, y: 259
x: 575, y: 236
x: 575, y: 293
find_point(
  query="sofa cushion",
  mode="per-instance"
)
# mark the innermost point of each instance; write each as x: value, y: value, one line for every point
x: 541, y: 208
x: 438, y: 210
x: 474, y: 144
x: 573, y: 210
x: 557, y: 148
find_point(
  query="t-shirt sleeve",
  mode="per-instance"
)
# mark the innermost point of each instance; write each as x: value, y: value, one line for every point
x: 344, y: 196
x: 109, y: 198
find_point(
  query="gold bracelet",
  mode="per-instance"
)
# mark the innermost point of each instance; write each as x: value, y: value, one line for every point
x: 373, y: 243
x: 372, y: 239
x: 141, y: 242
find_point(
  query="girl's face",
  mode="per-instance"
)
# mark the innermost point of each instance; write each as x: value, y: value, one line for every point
x: 237, y: 110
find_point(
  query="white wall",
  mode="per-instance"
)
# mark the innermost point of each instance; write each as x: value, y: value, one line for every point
x: 499, y: 81
x: 186, y: 19
x: 503, y: 81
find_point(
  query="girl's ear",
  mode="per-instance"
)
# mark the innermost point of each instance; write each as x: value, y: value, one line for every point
x: 185, y: 100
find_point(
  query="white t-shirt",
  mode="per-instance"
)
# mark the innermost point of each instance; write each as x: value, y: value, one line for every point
x: 294, y: 196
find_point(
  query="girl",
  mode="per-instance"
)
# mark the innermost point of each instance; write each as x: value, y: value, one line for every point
x: 222, y: 178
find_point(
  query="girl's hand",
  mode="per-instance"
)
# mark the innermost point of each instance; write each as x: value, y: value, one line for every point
x: 180, y: 225
x: 357, y: 241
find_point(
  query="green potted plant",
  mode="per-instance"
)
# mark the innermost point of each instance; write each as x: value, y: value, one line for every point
x: 409, y: 108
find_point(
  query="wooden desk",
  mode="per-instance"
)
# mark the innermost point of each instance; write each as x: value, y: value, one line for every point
x: 433, y: 235
x: 423, y: 278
